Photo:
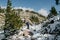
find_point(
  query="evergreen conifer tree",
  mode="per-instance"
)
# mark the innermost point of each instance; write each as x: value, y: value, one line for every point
x: 12, y: 21
x: 53, y: 12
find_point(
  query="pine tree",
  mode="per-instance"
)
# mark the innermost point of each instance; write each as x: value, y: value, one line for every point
x: 0, y: 9
x: 9, y: 6
x: 12, y: 21
x: 53, y: 12
x: 57, y: 2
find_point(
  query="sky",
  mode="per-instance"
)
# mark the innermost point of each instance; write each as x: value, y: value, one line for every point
x: 37, y: 5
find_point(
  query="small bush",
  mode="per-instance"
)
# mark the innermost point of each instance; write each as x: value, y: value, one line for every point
x: 34, y: 19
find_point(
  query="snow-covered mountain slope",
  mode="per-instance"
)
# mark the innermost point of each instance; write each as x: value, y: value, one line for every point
x: 48, y: 30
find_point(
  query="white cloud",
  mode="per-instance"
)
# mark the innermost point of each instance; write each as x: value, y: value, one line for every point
x: 24, y: 8
x: 43, y: 12
x: 3, y: 7
x: 30, y: 9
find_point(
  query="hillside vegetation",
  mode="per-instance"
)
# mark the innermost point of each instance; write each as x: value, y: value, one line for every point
x: 32, y: 15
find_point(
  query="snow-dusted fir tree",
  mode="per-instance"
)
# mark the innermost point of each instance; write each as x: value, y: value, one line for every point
x: 12, y: 21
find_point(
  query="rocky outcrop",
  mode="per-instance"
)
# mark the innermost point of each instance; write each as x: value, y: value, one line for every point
x: 2, y: 20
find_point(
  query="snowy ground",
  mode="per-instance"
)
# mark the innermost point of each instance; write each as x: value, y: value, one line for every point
x: 39, y: 32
